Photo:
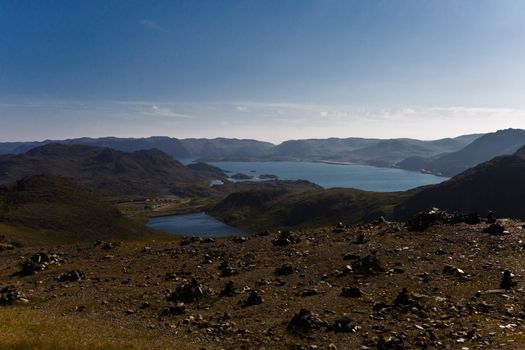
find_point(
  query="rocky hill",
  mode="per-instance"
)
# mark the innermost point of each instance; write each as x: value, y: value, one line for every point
x: 111, y: 172
x: 495, y: 185
x: 259, y: 209
x: 44, y: 209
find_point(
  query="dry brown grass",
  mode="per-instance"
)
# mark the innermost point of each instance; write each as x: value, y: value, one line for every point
x: 29, y: 328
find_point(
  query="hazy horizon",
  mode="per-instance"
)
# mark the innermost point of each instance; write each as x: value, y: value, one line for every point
x: 265, y: 70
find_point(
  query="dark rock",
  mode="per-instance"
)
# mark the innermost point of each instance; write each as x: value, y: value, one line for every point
x: 369, y: 265
x: 360, y: 239
x: 106, y: 245
x: 452, y: 270
x: 491, y: 219
x: 189, y: 292
x: 285, y: 238
x: 390, y: 343
x: 207, y: 259
x: 506, y: 280
x: 350, y: 256
x: 229, y: 290
x: 253, y: 299
x: 342, y: 325
x: 170, y: 276
x: 227, y: 270
x: 39, y: 262
x: 495, y: 229
x: 309, y: 292
x: 174, y: 310
x: 380, y: 306
x: 239, y: 239
x: 10, y: 295
x: 284, y: 270
x: 425, y: 219
x: 351, y: 292
x: 71, y: 276
x: 483, y: 308
x: 305, y: 321
x: 380, y: 220
x: 405, y: 301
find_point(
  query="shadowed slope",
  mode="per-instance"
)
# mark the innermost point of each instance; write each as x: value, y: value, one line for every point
x: 47, y: 209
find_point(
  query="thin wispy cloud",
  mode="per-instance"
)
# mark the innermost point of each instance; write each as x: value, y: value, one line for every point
x: 166, y: 112
x: 271, y: 121
x: 152, y: 25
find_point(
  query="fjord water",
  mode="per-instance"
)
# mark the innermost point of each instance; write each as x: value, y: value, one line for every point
x: 324, y: 174
x: 193, y: 225
x: 330, y: 175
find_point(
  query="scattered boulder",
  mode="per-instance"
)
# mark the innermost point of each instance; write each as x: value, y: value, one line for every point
x: 10, y: 295
x: 253, y: 299
x: 390, y: 343
x: 491, y: 219
x: 454, y: 271
x: 39, y: 262
x: 342, y: 325
x: 427, y: 218
x: 305, y: 321
x: 350, y: 256
x: 285, y: 238
x: 506, y: 280
x: 470, y: 219
x: 351, y: 292
x: 189, y: 292
x: 229, y: 290
x: 180, y: 309
x: 309, y: 292
x: 406, y: 301
x: 368, y: 265
x: 496, y: 229
x: 227, y: 270
x: 71, y: 276
x: 284, y: 270
x: 207, y: 259
x: 106, y: 245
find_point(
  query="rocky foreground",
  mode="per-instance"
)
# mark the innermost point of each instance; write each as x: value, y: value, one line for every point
x: 443, y: 281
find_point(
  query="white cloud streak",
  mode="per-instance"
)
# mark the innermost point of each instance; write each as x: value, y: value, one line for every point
x: 152, y: 25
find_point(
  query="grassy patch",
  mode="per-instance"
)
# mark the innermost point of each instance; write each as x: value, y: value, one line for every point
x: 26, y: 328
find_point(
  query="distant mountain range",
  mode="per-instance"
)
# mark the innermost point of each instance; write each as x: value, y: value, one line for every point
x: 180, y: 149
x: 445, y: 157
x: 106, y: 170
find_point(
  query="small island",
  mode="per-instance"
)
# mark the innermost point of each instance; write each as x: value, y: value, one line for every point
x: 241, y: 176
x: 268, y: 177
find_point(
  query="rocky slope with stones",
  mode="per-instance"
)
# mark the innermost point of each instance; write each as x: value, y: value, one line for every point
x: 436, y: 283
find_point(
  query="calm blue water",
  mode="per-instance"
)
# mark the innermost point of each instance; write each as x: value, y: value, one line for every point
x: 195, y: 225
x: 335, y: 175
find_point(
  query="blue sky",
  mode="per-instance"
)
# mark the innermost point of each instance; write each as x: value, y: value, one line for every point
x: 264, y: 69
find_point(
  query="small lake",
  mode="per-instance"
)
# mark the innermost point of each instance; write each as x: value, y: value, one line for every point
x: 193, y: 225
x: 327, y: 175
